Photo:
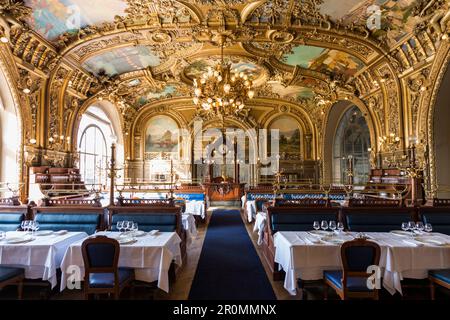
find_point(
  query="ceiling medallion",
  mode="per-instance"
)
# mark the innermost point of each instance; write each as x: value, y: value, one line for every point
x: 160, y: 37
x: 280, y: 36
x: 221, y: 91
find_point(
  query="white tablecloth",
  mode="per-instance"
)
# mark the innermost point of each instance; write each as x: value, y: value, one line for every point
x: 190, y: 227
x: 41, y: 257
x: 150, y: 256
x: 195, y: 207
x: 260, y: 225
x: 243, y: 198
x: 250, y: 207
x: 300, y: 258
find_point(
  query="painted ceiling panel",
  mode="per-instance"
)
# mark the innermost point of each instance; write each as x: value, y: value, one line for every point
x: 52, y: 18
x: 121, y: 60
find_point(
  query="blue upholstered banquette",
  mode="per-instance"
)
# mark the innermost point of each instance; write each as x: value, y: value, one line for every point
x: 299, y: 218
x: 377, y: 219
x: 81, y: 219
x: 165, y: 219
x: 439, y: 217
x: 11, y: 217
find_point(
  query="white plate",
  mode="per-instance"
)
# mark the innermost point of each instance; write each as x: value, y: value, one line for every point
x: 153, y: 232
x: 126, y: 240
x: 333, y: 240
x: 139, y: 233
x: 320, y: 232
x: 43, y: 233
x: 401, y: 233
x: 16, y: 240
x: 60, y: 232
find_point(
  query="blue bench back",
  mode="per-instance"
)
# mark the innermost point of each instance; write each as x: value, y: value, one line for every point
x: 191, y: 196
x: 81, y: 222
x: 147, y: 222
x: 295, y: 219
x: 380, y: 220
x: 10, y: 221
x: 439, y: 219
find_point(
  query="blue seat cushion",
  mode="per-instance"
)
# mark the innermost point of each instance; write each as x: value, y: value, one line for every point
x: 147, y: 222
x: 376, y: 222
x: 439, y: 220
x: 7, y: 273
x: 191, y: 196
x: 106, y: 280
x: 354, y: 284
x: 10, y: 221
x: 298, y: 221
x: 443, y: 275
x: 254, y: 196
x: 69, y: 221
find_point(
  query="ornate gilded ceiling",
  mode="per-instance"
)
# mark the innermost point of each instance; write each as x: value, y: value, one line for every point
x: 303, y: 55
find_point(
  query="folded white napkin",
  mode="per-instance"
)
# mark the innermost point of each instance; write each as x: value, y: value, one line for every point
x: 312, y: 240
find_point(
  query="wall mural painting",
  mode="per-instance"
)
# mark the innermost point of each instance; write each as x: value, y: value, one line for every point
x: 51, y: 18
x: 161, y: 135
x: 200, y: 66
x: 290, y: 136
x: 168, y: 91
x: 323, y: 60
x: 122, y: 60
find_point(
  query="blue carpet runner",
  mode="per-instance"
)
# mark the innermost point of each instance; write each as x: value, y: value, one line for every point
x: 229, y: 267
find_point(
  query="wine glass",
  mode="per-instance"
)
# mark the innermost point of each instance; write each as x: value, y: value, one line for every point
x: 428, y: 227
x: 420, y: 226
x: 332, y: 225
x: 134, y: 227
x: 411, y: 226
x: 324, y: 225
x: 119, y: 225
x: 340, y: 226
x: 405, y: 226
x: 129, y: 225
x: 316, y: 225
x: 34, y: 226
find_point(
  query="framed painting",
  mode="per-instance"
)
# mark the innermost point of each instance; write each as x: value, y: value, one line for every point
x: 162, y: 135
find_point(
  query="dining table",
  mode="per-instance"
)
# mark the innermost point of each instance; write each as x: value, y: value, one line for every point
x: 39, y: 253
x: 150, y: 255
x: 306, y: 255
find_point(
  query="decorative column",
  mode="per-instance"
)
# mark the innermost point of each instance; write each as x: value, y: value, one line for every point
x: 112, y: 173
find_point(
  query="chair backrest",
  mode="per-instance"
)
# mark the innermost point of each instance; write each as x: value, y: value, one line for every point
x: 100, y: 255
x: 357, y: 255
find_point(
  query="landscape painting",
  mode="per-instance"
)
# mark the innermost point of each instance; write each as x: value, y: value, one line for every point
x: 200, y: 66
x: 290, y: 134
x: 122, y: 60
x: 161, y: 135
x: 323, y: 60
x: 293, y: 92
x: 51, y: 18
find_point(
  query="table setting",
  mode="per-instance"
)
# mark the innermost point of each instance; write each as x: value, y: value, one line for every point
x: 39, y: 252
x: 149, y: 253
x: 404, y: 253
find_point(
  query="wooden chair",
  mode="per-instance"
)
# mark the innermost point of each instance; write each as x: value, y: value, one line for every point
x: 351, y: 282
x: 12, y: 276
x: 102, y: 274
x: 439, y: 277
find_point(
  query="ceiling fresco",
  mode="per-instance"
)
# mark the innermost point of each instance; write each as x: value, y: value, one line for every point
x: 200, y: 66
x: 121, y: 60
x: 51, y: 18
x: 323, y: 60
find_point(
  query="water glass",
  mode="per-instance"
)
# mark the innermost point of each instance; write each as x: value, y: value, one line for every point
x: 135, y: 227
x: 332, y: 225
x: 405, y: 226
x: 428, y: 227
x: 316, y: 225
x: 420, y: 226
x: 324, y: 225
x: 340, y: 226
x: 411, y: 226
x: 120, y: 225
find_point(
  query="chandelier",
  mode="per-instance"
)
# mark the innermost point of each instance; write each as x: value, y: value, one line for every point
x: 221, y: 91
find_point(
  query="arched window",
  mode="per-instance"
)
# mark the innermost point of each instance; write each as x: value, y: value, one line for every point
x: 95, y: 136
x: 351, y: 143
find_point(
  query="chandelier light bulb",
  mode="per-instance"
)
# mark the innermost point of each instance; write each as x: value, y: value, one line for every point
x: 195, y: 100
x: 251, y: 94
x: 227, y: 88
x: 4, y: 39
x: 241, y: 74
x: 233, y: 79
